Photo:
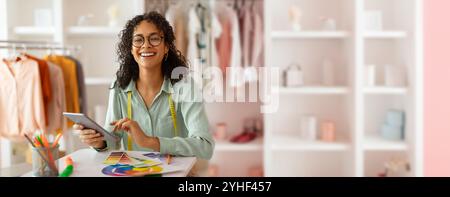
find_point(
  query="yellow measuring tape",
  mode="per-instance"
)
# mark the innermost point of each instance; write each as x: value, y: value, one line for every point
x: 129, y: 141
x: 172, y: 113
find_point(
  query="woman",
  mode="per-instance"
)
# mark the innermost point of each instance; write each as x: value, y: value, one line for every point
x: 142, y: 107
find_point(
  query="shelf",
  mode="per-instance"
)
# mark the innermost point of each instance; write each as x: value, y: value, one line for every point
x: 255, y: 145
x: 385, y: 34
x: 30, y: 30
x: 93, y: 31
x: 310, y: 34
x: 98, y: 81
x: 314, y: 90
x: 386, y: 90
x: 373, y: 142
x: 292, y: 143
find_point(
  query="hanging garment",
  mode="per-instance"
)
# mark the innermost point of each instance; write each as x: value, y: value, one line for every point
x: 22, y: 109
x: 245, y: 23
x: 45, y: 83
x: 257, y: 41
x: 58, y: 103
x: 159, y: 6
x: 81, y: 85
x: 204, y: 28
x: 69, y: 69
x: 177, y: 17
x: 215, y: 30
x: 194, y: 29
x: 212, y: 83
x: 228, y: 44
x: 224, y: 44
x: 256, y: 45
x: 239, y: 75
x: 202, y: 35
x: 258, y: 56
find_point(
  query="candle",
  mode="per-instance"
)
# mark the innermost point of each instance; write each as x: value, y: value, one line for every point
x: 328, y: 131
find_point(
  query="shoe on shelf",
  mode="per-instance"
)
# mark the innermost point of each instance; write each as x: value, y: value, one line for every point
x: 244, y: 137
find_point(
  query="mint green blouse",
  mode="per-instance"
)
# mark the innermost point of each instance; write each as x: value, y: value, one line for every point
x: 192, y: 123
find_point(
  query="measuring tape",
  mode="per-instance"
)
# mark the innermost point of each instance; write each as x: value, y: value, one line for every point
x: 172, y: 113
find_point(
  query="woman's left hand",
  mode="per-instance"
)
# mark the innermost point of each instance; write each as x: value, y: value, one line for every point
x: 133, y: 129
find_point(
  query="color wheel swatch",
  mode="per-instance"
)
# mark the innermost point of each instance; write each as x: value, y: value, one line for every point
x: 129, y: 170
x: 123, y: 164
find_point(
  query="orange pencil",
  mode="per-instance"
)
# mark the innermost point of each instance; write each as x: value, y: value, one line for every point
x: 56, y: 140
x: 46, y: 146
x: 44, y: 140
x: 169, y: 158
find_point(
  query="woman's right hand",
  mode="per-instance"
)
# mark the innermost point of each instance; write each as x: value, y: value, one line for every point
x: 90, y: 137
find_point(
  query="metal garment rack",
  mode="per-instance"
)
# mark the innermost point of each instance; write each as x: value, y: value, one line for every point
x: 36, y: 45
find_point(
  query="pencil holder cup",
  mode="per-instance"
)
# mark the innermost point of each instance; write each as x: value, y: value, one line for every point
x: 40, y: 167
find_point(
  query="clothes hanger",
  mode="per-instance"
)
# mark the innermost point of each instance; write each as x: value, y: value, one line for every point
x: 49, y: 50
x: 68, y: 51
x: 235, y: 5
x: 14, y: 55
x: 24, y: 50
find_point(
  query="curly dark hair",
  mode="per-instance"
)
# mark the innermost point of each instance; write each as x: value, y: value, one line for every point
x: 129, y: 69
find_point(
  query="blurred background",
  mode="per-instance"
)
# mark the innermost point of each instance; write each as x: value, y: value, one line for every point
x: 359, y: 93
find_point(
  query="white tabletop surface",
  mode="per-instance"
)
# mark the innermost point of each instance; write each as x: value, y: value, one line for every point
x: 89, y: 163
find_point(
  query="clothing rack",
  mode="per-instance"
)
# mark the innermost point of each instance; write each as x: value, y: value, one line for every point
x: 36, y: 45
x: 6, y: 146
x: 161, y: 6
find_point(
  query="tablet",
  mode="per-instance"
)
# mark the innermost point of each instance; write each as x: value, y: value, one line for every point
x: 90, y: 124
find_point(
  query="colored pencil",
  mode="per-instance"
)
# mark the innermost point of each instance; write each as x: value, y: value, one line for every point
x: 56, y: 140
x: 69, y: 168
x: 169, y: 158
x: 52, y: 167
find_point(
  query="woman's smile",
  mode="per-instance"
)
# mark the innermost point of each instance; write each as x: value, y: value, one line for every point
x: 147, y: 55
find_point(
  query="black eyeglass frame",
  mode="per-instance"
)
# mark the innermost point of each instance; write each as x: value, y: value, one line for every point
x: 149, y: 40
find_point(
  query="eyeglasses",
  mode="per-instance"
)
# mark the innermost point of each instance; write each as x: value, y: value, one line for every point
x: 154, y: 40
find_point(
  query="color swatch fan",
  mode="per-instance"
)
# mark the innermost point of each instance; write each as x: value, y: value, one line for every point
x: 125, y: 159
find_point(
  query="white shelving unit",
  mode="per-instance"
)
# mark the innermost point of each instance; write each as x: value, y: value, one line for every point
x: 29, y: 30
x: 93, y: 31
x: 385, y: 34
x: 310, y: 34
x: 377, y: 143
x: 314, y: 90
x: 293, y: 143
x: 249, y: 154
x: 225, y: 146
x: 357, y: 110
x: 386, y: 90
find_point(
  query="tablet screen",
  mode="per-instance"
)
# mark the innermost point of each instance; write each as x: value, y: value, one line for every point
x: 90, y: 124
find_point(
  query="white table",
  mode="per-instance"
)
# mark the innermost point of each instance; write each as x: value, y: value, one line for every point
x: 15, y: 170
x: 89, y: 163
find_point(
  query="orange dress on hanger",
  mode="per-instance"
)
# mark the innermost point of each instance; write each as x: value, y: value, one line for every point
x: 69, y: 69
